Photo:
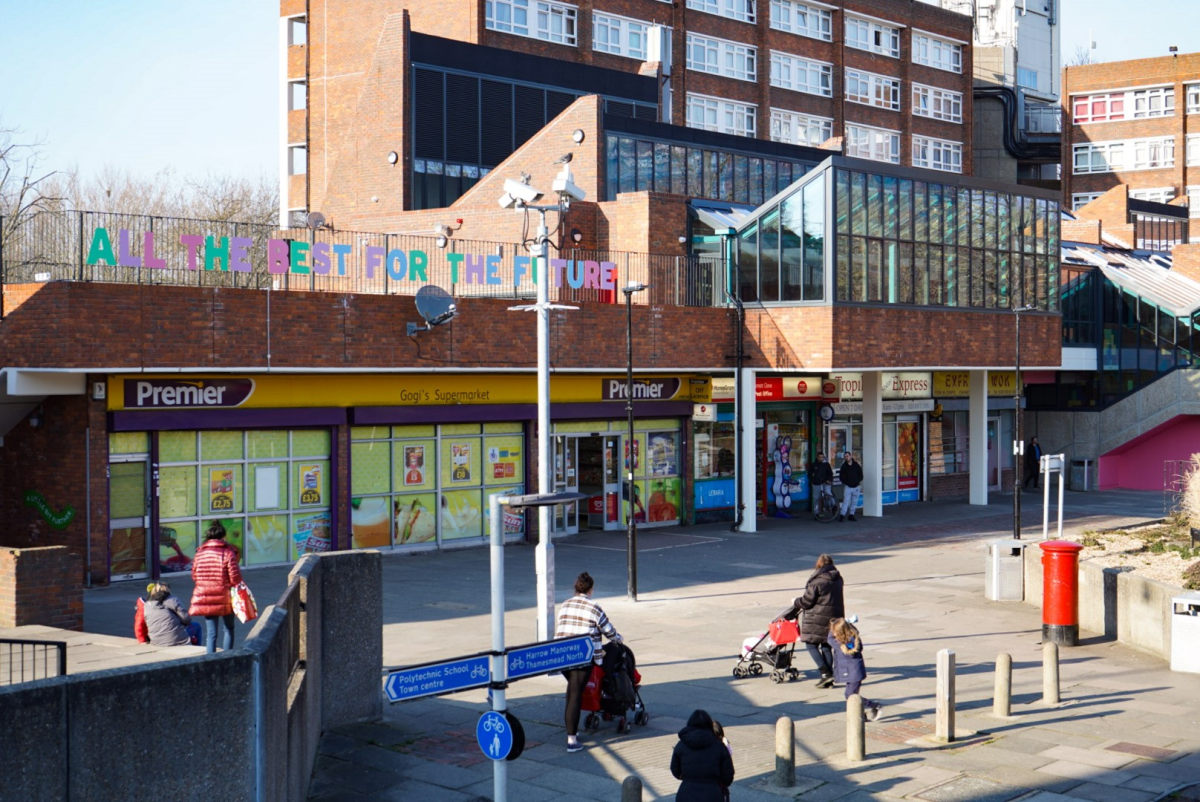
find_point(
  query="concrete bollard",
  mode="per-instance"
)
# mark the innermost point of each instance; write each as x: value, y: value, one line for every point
x: 1050, y: 673
x: 785, y: 753
x: 1002, y: 701
x: 945, y: 695
x: 856, y: 730
x: 631, y: 789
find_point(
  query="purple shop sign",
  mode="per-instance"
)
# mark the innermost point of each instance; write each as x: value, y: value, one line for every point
x: 186, y: 393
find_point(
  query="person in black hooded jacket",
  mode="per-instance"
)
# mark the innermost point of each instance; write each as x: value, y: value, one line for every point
x: 701, y: 761
x: 822, y: 602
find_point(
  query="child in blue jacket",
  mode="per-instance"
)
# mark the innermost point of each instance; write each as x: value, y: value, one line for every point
x: 848, y: 664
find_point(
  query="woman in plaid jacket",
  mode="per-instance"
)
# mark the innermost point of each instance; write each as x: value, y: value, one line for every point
x: 579, y: 615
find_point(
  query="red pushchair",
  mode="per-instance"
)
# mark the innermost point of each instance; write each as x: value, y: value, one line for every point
x: 775, y: 648
x: 613, y: 690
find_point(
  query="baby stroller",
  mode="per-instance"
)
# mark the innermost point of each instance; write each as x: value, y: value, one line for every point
x: 774, y: 648
x: 614, y: 690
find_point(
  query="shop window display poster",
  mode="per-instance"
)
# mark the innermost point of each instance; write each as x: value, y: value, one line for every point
x: 311, y: 533
x: 460, y: 469
x: 310, y: 485
x: 662, y: 451
x: 461, y: 515
x: 176, y: 545
x: 220, y: 490
x: 370, y: 522
x: 415, y: 519
x: 414, y: 466
x: 233, y: 533
x: 266, y: 540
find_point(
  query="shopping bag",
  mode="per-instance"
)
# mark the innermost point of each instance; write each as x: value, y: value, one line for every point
x: 591, y: 691
x: 784, y: 631
x: 243, y: 603
x: 140, y: 630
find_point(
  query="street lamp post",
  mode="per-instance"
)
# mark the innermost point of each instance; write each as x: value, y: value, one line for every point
x: 631, y: 525
x: 1018, y: 437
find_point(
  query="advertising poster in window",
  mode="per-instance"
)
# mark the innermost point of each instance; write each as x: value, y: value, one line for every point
x: 266, y: 540
x: 503, y: 460
x: 220, y: 490
x: 233, y: 533
x: 663, y: 503
x: 906, y: 455
x: 460, y: 463
x: 414, y: 466
x: 310, y: 485
x: 176, y: 545
x: 370, y: 522
x: 311, y: 534
x: 462, y: 516
x: 663, y: 454
x: 514, y: 519
x: 416, y: 521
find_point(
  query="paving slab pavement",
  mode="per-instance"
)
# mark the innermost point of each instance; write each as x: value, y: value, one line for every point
x: 915, y: 578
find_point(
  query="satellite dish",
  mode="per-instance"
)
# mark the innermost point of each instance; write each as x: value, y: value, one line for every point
x: 435, y: 305
x: 315, y: 220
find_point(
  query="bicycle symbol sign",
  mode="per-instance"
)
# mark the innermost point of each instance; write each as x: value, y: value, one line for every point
x: 494, y: 735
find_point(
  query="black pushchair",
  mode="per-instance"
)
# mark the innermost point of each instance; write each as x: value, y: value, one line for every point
x: 774, y: 648
x: 619, y: 690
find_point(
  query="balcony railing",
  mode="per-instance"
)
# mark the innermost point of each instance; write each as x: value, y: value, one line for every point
x: 27, y: 660
x: 138, y: 249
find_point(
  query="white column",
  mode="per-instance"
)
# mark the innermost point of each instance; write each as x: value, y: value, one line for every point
x: 872, y: 445
x: 747, y: 407
x: 977, y: 437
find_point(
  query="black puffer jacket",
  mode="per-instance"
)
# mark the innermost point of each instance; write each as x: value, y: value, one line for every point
x: 822, y: 602
x: 703, y: 763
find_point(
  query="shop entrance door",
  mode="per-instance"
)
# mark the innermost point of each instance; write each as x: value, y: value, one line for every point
x: 129, y: 519
x: 993, y: 468
x: 612, y: 483
x: 566, y: 480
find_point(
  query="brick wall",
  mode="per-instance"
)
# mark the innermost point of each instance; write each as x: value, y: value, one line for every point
x: 1185, y: 260
x: 41, y: 586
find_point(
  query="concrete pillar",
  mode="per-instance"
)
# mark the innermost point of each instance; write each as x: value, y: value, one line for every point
x: 785, y: 752
x: 1002, y: 700
x: 747, y: 480
x: 631, y: 789
x: 977, y: 424
x: 1050, y: 673
x: 872, y: 446
x: 945, y: 695
x: 856, y: 730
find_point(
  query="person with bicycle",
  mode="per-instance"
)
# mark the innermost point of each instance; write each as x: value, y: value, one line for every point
x: 820, y: 478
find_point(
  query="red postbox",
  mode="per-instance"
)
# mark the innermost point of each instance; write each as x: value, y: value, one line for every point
x: 1060, y: 592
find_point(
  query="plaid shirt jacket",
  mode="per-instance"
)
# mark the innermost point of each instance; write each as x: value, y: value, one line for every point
x: 579, y: 615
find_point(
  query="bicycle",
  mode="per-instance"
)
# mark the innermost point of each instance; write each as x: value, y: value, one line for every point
x: 826, y: 506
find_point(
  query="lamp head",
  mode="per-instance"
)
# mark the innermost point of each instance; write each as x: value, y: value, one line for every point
x: 634, y: 286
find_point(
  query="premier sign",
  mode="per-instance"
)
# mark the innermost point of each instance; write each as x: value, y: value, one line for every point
x: 643, y: 389
x: 186, y: 393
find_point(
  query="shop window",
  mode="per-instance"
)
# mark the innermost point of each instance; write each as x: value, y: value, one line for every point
x: 948, y: 441
x: 129, y: 443
x: 713, y: 450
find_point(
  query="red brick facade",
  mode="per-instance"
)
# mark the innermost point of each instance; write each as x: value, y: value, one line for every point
x: 41, y: 586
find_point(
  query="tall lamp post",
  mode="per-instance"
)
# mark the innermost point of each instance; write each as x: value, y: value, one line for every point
x: 631, y: 530
x: 1018, y: 435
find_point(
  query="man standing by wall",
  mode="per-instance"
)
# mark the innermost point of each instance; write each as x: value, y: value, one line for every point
x: 851, y: 476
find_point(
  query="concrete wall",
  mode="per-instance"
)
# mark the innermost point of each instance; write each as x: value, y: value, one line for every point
x: 238, y: 725
x: 1114, y: 603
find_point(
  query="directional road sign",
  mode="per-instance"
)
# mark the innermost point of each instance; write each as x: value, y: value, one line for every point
x: 494, y: 735
x: 549, y: 656
x: 435, y: 679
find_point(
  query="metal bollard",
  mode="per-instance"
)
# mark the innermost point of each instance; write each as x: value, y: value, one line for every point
x: 1050, y: 673
x: 785, y: 753
x: 945, y: 695
x: 856, y: 730
x: 1002, y: 701
x: 631, y: 789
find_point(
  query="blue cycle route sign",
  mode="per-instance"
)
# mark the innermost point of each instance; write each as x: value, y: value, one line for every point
x: 549, y: 656
x: 494, y: 735
x: 435, y: 679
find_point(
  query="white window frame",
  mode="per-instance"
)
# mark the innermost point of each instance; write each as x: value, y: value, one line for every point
x: 1089, y: 101
x: 515, y: 21
x: 1193, y: 196
x: 740, y: 10
x: 877, y: 144
x: 800, y: 129
x: 1151, y: 103
x: 1023, y: 76
x: 292, y: 88
x: 1193, y: 150
x: 297, y: 158
x: 872, y: 89
x: 801, y: 74
x: 1153, y: 153
x: 872, y: 36
x: 1081, y: 199
x: 802, y: 19
x: 1154, y: 194
x: 545, y: 13
x: 1193, y: 98
x: 1097, y: 157
x: 725, y: 116
x: 937, y: 104
x: 937, y: 53
x: 722, y: 57
x: 626, y: 31
x: 937, y: 154
x: 567, y: 17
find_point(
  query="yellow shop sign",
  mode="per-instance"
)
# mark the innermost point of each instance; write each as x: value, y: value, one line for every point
x: 138, y: 392
x: 957, y: 383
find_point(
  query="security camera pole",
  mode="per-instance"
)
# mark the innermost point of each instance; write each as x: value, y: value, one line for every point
x: 521, y: 196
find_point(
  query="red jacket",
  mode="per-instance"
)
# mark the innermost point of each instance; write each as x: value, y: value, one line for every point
x: 214, y: 571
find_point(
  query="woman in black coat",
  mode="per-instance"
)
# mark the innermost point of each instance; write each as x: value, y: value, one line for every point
x: 701, y: 761
x: 822, y: 602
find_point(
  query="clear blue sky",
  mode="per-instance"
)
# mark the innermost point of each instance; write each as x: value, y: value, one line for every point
x: 148, y: 84
x: 144, y: 84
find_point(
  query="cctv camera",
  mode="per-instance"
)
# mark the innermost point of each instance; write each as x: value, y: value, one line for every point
x: 564, y: 185
x: 521, y: 192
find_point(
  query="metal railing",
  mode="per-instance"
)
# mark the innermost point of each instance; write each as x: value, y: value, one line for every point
x: 27, y: 660
x: 146, y: 250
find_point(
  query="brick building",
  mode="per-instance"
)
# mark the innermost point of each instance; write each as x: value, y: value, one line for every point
x: 1131, y: 123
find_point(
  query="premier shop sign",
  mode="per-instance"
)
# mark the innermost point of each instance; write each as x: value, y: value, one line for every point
x: 186, y: 393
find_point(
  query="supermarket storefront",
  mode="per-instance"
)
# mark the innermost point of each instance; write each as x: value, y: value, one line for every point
x: 291, y: 464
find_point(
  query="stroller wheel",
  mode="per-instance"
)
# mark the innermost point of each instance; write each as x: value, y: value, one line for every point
x: 777, y: 676
x: 756, y: 669
x: 739, y: 671
x: 793, y: 674
x: 622, y: 727
x: 592, y: 722
x: 642, y: 718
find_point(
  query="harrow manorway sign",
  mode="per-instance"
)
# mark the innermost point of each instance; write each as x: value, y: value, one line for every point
x: 549, y: 656
x: 297, y: 257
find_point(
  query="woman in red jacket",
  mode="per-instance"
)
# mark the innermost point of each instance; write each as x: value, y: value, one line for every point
x: 215, y: 571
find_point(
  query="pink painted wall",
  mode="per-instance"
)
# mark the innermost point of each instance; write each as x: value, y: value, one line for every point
x: 1138, y: 465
